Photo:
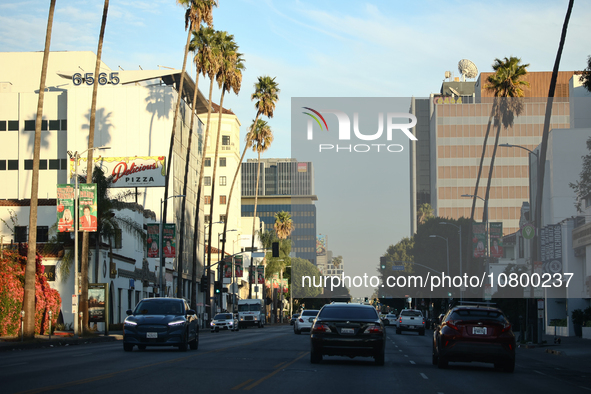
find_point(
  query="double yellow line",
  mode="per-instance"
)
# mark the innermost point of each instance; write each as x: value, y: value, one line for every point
x: 278, y: 367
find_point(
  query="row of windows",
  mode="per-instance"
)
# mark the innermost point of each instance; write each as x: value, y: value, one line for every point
x: 207, y: 219
x: 303, y: 250
x: 208, y: 162
x: 21, y: 235
x: 518, y: 130
x: 13, y: 125
x: 496, y: 214
x: 475, y: 151
x: 44, y: 164
x: 529, y: 109
x: 222, y: 200
x: 498, y: 192
x: 207, y: 181
x: 471, y: 172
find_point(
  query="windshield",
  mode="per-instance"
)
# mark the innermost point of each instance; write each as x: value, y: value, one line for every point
x: 349, y: 313
x: 152, y: 307
x: 249, y: 307
x: 411, y: 313
x: 223, y: 316
x: 310, y: 312
x: 477, y: 314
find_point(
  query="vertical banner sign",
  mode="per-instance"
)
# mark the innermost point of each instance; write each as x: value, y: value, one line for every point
x: 65, y: 208
x: 261, y: 274
x: 238, y: 267
x: 169, y: 240
x: 552, y: 248
x: 227, y: 267
x: 478, y: 239
x: 87, y: 209
x: 153, y: 244
x: 496, y: 239
x: 284, y: 285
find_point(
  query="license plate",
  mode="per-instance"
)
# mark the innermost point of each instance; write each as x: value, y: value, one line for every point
x: 411, y: 327
x: 151, y: 335
x: 347, y: 331
x: 479, y: 330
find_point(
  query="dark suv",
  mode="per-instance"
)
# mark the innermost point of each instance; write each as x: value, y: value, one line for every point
x: 348, y: 330
x: 474, y: 333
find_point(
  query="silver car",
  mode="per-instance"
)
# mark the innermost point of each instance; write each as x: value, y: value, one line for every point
x: 305, y: 321
x: 224, y: 321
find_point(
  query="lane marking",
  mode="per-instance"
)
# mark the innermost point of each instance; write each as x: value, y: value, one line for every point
x: 424, y: 376
x: 81, y: 354
x: 400, y: 350
x: 242, y: 384
x: 279, y: 365
x: 538, y: 372
x: 273, y: 373
x: 12, y: 365
x: 406, y: 355
x: 586, y: 388
x: 412, y: 362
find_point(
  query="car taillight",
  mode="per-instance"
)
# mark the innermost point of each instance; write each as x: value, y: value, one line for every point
x: 451, y: 324
x: 320, y: 327
x: 400, y: 321
x: 373, y: 330
x: 301, y: 320
x: 506, y: 327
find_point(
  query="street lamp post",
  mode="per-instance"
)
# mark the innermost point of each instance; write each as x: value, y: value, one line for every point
x: 77, y: 156
x: 207, y: 295
x: 446, y: 246
x: 162, y: 258
x: 460, y: 234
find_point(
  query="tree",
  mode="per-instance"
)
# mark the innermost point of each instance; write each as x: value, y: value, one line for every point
x: 302, y: 270
x: 336, y: 261
x: 283, y: 224
x: 396, y: 255
x: 424, y: 212
x: 262, y: 137
x: 229, y: 78
x: 585, y: 78
x: 546, y: 132
x: 30, y: 269
x: 582, y: 187
x: 506, y: 83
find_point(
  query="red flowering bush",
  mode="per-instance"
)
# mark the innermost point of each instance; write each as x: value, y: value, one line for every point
x: 12, y: 280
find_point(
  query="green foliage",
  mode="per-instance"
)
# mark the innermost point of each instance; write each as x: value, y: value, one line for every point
x: 578, y: 317
x: 301, y: 268
x: 585, y: 78
x: 582, y: 187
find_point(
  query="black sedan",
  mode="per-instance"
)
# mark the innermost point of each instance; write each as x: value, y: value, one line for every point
x: 161, y: 322
x: 348, y: 330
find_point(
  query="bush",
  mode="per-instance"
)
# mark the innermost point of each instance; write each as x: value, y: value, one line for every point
x: 578, y: 317
x: 12, y: 280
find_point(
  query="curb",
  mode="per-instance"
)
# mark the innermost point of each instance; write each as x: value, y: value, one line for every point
x: 555, y: 352
x: 42, y: 344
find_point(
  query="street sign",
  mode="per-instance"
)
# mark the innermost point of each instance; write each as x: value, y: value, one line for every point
x: 258, y: 254
x: 397, y: 268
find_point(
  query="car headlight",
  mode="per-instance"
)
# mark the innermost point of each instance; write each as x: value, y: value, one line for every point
x: 231, y: 323
x: 129, y: 323
x: 176, y: 323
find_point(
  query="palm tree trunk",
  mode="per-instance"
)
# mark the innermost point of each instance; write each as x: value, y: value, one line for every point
x: 482, y: 160
x: 547, y: 116
x: 485, y: 217
x: 31, y: 267
x: 170, y: 153
x: 256, y: 196
x: 89, y: 166
x: 195, y: 228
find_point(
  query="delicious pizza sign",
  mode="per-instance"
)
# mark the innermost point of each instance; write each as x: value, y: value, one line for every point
x: 144, y: 171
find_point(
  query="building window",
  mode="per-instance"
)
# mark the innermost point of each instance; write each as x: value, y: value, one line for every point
x: 12, y: 165
x: 54, y: 164
x: 222, y: 161
x: 42, y: 233
x: 208, y: 162
x: 20, y: 234
x: 2, y: 165
x: 225, y: 140
x: 2, y: 125
x: 222, y: 181
x: 223, y: 200
x: 223, y: 218
x: 207, y: 200
x: 207, y: 181
x: 207, y: 219
x: 13, y: 125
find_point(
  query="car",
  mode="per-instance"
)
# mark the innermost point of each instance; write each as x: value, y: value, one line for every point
x: 390, y: 319
x: 294, y: 317
x: 353, y: 330
x: 474, y: 333
x: 305, y: 320
x: 411, y: 320
x: 161, y: 322
x: 224, y: 321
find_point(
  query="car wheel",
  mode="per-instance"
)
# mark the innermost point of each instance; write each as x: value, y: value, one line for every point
x: 380, y: 358
x: 442, y: 363
x: 141, y: 347
x: 128, y: 347
x: 315, y: 358
x: 422, y: 332
x: 194, y: 344
x: 183, y: 345
x: 398, y: 331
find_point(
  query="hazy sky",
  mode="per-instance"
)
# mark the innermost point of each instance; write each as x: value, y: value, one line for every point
x: 316, y: 48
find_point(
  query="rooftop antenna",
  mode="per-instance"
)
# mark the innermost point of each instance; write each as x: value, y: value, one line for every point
x: 468, y: 69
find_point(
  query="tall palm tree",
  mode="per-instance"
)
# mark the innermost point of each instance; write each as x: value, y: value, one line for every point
x: 262, y: 138
x: 266, y: 92
x: 89, y: 165
x: 283, y: 224
x: 424, y: 212
x: 207, y: 62
x: 229, y: 78
x: 195, y: 12
x: 546, y: 132
x: 507, y: 84
x: 31, y: 267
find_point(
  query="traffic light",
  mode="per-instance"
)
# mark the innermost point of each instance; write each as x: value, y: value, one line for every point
x: 217, y: 287
x: 275, y: 247
x: 204, y: 283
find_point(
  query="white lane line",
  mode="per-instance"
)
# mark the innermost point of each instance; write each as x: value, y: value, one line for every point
x: 406, y: 355
x: 412, y: 362
x: 586, y: 388
x: 538, y: 372
x: 80, y: 355
x: 424, y: 376
x: 12, y: 365
x: 400, y: 350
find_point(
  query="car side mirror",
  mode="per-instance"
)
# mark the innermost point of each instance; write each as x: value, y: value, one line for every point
x: 129, y: 312
x: 190, y: 312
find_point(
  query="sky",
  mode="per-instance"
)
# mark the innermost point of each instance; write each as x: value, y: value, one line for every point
x: 339, y: 48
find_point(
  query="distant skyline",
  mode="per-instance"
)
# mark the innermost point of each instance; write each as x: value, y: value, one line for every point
x: 317, y: 49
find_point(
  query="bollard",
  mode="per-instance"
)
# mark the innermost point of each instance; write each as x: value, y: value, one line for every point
x: 50, y: 313
x: 22, y: 325
x: 81, y: 314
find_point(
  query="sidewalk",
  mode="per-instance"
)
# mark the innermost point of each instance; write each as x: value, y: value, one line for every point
x: 569, y: 346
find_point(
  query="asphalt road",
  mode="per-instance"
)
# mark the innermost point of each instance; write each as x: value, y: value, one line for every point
x: 273, y: 360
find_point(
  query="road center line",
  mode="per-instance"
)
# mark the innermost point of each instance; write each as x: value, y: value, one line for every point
x: 424, y: 376
x: 412, y: 362
x: 242, y: 384
x: 274, y: 372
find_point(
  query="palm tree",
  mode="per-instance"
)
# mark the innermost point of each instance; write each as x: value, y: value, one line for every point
x: 283, y: 224
x: 266, y: 93
x: 424, y: 212
x: 506, y: 83
x: 196, y: 11
x: 229, y: 77
x: 545, y: 134
x: 31, y: 267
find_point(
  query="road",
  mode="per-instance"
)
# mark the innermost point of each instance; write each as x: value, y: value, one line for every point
x: 273, y: 359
